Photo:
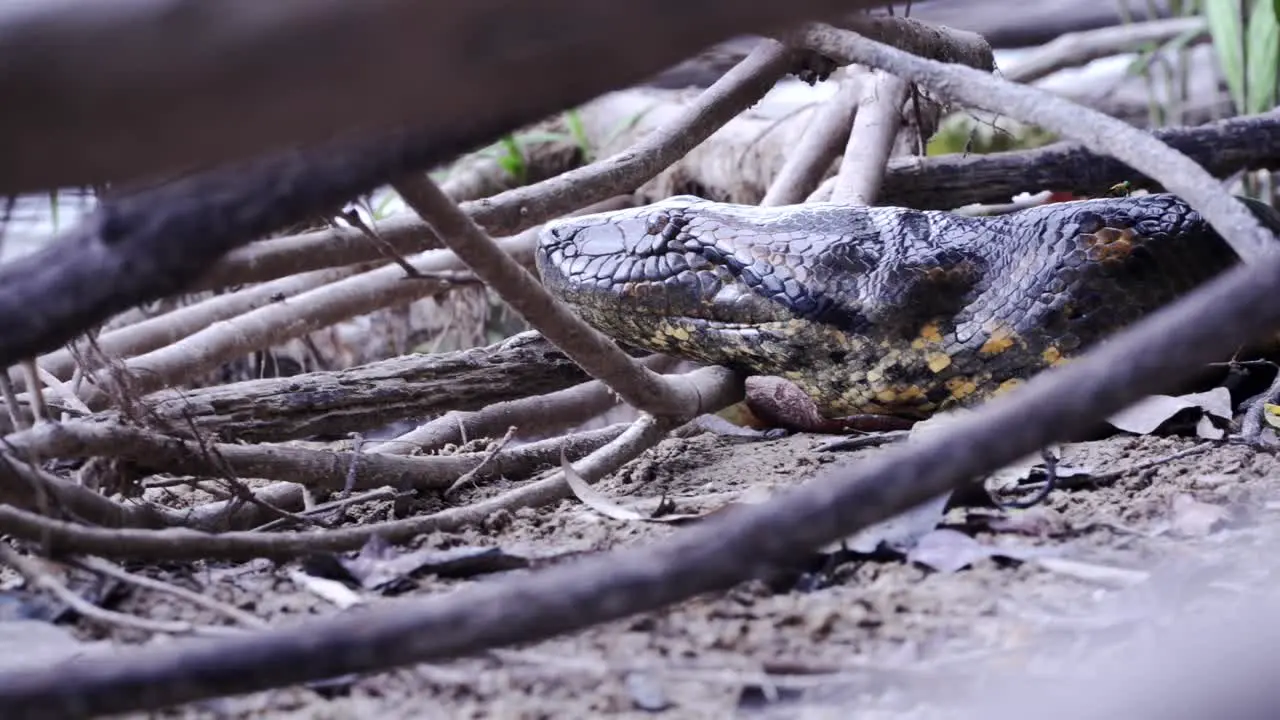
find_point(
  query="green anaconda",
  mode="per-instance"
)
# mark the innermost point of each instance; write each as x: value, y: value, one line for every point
x: 878, y: 310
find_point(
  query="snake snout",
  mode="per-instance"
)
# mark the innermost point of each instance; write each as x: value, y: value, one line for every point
x: 558, y: 231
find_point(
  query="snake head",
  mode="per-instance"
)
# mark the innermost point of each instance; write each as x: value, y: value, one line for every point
x: 661, y: 260
x: 713, y: 282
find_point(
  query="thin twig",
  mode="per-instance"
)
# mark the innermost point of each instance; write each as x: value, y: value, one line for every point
x: 718, y: 386
x: 469, y: 476
x: 35, y: 391
x: 550, y: 413
x: 1113, y: 475
x: 871, y: 140
x: 38, y: 577
x: 735, y: 91
x: 341, y: 504
x: 1079, y: 48
x: 16, y: 415
x: 110, y: 569
x: 819, y: 145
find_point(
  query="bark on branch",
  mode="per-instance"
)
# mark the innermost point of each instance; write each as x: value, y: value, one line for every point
x: 368, y: 396
x: 115, y: 91
x: 949, y: 181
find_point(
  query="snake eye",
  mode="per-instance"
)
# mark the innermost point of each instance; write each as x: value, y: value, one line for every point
x: 656, y: 223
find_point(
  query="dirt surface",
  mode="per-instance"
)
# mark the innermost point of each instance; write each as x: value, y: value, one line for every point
x: 882, y: 635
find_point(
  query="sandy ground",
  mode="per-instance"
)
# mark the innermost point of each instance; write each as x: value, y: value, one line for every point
x: 882, y: 635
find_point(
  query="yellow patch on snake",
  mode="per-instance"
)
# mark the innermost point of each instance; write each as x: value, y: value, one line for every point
x: 1051, y: 355
x: 938, y: 361
x: 1002, y: 338
x: 1006, y: 386
x: 929, y: 335
x: 1112, y: 244
x: 961, y: 387
x: 911, y: 394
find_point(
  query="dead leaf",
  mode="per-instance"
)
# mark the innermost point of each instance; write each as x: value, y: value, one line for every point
x: 1193, y: 518
x: 36, y: 644
x: 947, y: 551
x: 1207, y: 430
x: 594, y: 500
x: 901, y: 532
x: 332, y: 591
x: 1148, y: 414
x: 1039, y: 521
x: 1216, y: 402
x: 1100, y: 574
x: 382, y: 567
x: 610, y: 509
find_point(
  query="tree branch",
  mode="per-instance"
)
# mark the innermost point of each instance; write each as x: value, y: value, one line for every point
x: 1134, y: 147
x: 112, y: 92
x: 949, y: 181
x: 367, y: 396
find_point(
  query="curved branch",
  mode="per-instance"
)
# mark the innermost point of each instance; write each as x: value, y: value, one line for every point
x: 114, y: 91
x: 1136, y: 148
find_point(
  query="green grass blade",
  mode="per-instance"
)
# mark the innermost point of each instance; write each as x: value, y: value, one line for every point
x: 1262, y: 57
x: 512, y: 159
x: 1226, y: 29
x: 579, y: 132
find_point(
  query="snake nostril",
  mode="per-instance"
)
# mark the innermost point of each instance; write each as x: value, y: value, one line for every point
x: 561, y: 232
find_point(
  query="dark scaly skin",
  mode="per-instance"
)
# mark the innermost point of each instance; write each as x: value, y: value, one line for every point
x: 878, y: 310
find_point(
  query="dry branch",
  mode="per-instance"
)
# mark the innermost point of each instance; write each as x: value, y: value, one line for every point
x: 114, y: 92
x: 315, y: 469
x: 1134, y: 147
x: 276, y: 322
x: 718, y: 386
x: 270, y: 259
x: 950, y: 181
x: 1079, y: 48
x: 540, y: 415
x: 156, y: 332
x: 871, y: 139
x: 806, y: 164
x: 24, y: 485
x: 368, y: 396
x: 126, y: 253
x: 331, y: 247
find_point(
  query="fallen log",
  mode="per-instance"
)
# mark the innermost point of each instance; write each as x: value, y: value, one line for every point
x: 409, y: 387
